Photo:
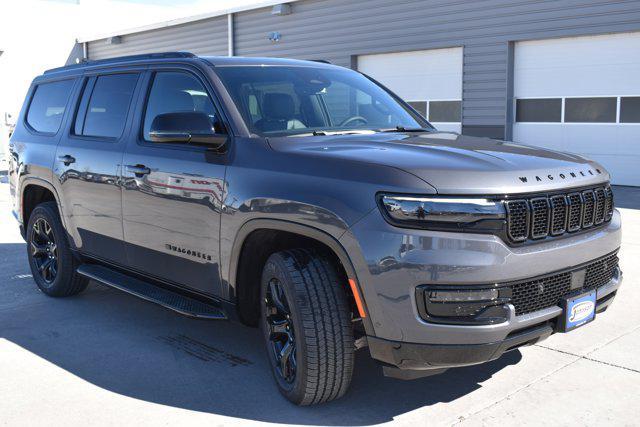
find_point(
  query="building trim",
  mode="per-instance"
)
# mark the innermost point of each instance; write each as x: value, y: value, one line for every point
x: 180, y: 21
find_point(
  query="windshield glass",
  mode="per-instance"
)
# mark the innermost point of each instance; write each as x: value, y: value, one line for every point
x: 285, y: 100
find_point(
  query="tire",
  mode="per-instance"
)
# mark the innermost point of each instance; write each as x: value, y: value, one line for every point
x: 58, y: 278
x: 305, y: 284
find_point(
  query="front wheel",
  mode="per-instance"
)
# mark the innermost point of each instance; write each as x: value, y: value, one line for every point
x: 306, y: 323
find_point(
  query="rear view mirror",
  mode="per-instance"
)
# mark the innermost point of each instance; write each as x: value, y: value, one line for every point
x: 186, y: 127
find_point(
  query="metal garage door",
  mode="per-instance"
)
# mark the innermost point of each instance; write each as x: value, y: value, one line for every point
x: 582, y: 95
x: 430, y: 80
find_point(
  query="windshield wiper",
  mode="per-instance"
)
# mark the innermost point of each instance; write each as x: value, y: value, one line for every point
x: 404, y: 129
x: 335, y: 132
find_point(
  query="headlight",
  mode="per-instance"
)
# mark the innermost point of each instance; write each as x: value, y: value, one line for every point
x: 443, y: 213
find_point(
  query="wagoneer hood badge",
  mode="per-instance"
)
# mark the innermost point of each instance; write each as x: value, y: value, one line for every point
x: 456, y: 164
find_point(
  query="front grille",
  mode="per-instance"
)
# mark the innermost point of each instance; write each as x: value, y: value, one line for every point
x: 538, y: 294
x: 539, y: 217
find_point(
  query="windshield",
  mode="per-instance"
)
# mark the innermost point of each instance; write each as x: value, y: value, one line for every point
x: 285, y: 100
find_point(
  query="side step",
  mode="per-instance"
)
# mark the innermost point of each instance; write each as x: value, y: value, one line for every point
x: 172, y: 300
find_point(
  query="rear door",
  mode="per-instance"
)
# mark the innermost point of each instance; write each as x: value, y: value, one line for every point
x: 173, y: 192
x: 88, y: 164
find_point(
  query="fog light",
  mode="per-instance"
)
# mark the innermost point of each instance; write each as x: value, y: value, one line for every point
x: 469, y: 306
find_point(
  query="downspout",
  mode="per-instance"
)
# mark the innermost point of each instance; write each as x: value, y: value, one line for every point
x: 230, y: 34
x: 85, y: 51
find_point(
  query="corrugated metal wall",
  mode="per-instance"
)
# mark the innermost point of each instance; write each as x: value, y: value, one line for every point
x: 339, y: 30
x: 207, y: 37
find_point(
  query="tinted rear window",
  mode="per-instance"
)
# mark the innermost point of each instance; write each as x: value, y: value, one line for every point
x: 107, y: 111
x: 48, y: 105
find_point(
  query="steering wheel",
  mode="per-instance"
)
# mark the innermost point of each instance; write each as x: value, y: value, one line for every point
x: 354, y: 119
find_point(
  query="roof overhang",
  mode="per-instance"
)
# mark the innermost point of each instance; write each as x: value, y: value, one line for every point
x: 180, y: 21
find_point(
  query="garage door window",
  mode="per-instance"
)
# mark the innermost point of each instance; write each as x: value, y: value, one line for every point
x: 605, y: 109
x: 590, y: 110
x: 444, y: 111
x: 547, y: 110
x: 630, y: 109
x: 419, y: 106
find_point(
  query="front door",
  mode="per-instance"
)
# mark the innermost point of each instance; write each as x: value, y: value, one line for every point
x: 172, y: 192
x: 88, y: 163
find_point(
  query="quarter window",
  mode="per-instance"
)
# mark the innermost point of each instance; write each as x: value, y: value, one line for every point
x: 48, y: 105
x: 174, y: 92
x: 108, y: 105
x: 590, y: 110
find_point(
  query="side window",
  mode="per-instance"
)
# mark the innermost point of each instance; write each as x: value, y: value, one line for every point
x: 47, y: 106
x: 108, y: 104
x: 172, y: 92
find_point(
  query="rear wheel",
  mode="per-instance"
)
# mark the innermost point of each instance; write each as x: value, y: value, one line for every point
x: 306, y: 323
x: 53, y: 266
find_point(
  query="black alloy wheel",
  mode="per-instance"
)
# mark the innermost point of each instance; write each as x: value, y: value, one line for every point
x: 44, y: 250
x: 281, y: 331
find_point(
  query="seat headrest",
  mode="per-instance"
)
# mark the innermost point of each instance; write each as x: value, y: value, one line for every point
x: 179, y: 100
x: 278, y: 106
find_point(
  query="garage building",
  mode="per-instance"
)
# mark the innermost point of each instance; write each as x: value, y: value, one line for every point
x: 563, y: 74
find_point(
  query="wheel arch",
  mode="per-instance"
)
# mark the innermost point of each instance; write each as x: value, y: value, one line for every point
x: 33, y: 192
x: 304, y: 231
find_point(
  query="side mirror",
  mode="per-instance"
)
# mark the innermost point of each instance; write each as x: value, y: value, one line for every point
x: 186, y: 127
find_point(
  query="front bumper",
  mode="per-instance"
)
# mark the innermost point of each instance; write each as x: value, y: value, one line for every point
x: 391, y: 263
x: 435, y: 358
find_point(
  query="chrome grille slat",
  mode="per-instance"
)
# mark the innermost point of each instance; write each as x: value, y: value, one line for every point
x: 543, y: 216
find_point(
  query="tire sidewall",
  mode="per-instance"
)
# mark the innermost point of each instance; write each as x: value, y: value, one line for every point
x: 275, y: 268
x: 64, y: 257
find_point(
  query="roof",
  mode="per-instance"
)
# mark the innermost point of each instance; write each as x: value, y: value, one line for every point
x: 180, y: 21
x: 216, y: 61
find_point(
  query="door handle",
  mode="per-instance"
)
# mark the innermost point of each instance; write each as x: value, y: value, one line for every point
x: 67, y: 159
x: 138, y: 170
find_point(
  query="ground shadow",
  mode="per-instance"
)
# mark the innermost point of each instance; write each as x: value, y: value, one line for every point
x: 137, y: 349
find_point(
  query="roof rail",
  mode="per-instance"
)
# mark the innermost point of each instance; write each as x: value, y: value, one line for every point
x: 115, y: 60
x: 323, y: 61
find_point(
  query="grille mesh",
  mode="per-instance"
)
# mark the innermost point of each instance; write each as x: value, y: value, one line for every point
x: 589, y: 208
x: 600, y: 206
x: 539, y: 217
x: 545, y: 292
x: 575, y: 212
x: 608, y: 210
x: 518, y: 214
x: 558, y: 214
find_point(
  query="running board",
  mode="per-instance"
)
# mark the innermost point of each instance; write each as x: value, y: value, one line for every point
x: 179, y: 303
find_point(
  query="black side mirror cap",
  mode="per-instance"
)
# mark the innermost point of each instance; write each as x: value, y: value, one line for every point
x: 184, y: 127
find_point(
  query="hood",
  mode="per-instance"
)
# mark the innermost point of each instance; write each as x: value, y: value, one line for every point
x: 457, y: 164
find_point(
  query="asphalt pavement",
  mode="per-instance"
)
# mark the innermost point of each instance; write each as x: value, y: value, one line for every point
x: 106, y: 358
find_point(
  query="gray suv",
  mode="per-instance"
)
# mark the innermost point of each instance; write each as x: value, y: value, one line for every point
x: 309, y: 200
